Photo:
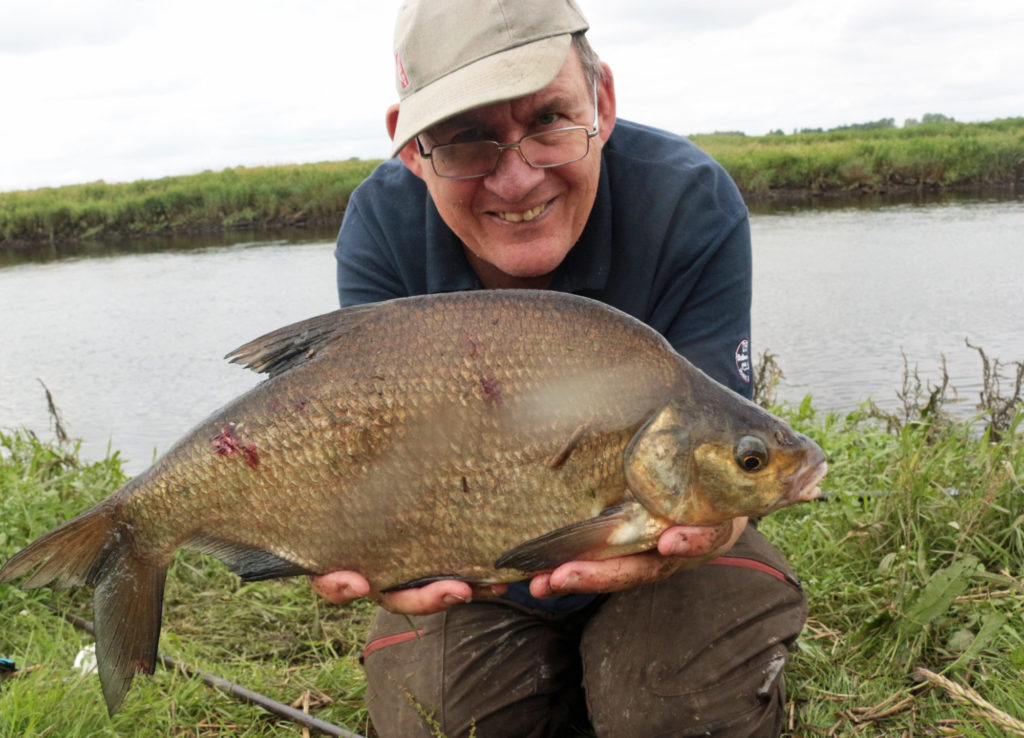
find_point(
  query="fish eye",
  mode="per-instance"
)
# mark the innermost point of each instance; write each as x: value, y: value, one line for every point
x: 751, y: 454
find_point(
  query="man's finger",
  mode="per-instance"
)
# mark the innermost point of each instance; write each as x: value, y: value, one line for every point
x: 610, y: 575
x: 426, y: 600
x: 694, y: 540
x: 340, y: 587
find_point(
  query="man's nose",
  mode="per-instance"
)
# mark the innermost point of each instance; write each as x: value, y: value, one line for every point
x: 513, y: 177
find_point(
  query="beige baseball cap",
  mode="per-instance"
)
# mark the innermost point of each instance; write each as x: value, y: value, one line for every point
x: 456, y: 55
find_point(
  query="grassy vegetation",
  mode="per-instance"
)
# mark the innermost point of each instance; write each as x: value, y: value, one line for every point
x: 912, y: 567
x: 944, y: 154
x: 930, y: 155
x: 232, y: 198
x: 919, y: 576
x: 273, y: 636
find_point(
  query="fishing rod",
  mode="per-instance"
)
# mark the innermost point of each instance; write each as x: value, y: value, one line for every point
x: 235, y: 690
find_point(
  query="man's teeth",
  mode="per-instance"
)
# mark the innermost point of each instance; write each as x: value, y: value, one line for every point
x: 525, y: 215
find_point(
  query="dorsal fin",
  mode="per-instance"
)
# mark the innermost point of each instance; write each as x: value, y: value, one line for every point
x: 278, y: 351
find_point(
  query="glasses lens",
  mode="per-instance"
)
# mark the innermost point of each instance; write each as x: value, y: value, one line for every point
x: 554, y: 148
x: 465, y: 159
x: 478, y: 158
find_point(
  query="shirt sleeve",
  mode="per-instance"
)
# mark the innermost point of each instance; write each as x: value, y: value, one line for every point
x: 365, y: 271
x: 711, y: 326
x: 681, y: 257
x: 700, y: 276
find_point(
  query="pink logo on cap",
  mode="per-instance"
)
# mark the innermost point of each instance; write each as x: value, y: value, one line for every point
x: 402, y: 79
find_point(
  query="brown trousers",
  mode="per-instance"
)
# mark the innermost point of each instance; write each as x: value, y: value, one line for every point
x: 699, y: 654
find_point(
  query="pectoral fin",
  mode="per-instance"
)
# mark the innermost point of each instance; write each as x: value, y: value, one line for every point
x: 623, y: 529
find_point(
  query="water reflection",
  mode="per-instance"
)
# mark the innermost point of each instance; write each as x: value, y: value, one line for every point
x: 876, y: 201
x: 48, y: 252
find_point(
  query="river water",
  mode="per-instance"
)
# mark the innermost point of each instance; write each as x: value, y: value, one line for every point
x: 130, y: 343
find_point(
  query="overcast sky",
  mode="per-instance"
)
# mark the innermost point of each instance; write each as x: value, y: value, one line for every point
x: 125, y: 89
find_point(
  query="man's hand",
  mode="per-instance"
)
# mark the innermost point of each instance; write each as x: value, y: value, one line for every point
x: 342, y: 587
x: 678, y: 547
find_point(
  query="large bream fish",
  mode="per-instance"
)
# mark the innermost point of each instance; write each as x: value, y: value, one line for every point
x: 479, y: 435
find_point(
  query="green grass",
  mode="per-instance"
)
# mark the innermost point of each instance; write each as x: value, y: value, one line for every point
x: 914, y: 562
x: 926, y: 573
x: 233, y: 198
x: 933, y: 155
x: 274, y: 637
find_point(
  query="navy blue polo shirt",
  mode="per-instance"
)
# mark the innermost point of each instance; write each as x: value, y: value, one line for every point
x: 668, y: 241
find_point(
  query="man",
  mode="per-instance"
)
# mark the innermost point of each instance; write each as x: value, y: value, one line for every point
x: 513, y: 172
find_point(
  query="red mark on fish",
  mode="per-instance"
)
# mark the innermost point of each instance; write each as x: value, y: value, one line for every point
x: 470, y: 345
x: 142, y: 667
x: 228, y: 444
x: 276, y: 406
x: 252, y: 457
x: 492, y: 390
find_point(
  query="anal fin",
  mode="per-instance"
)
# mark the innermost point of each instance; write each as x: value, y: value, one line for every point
x: 620, y: 530
x: 250, y: 563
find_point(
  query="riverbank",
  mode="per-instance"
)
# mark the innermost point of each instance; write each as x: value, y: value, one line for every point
x: 233, y: 199
x: 929, y: 157
x: 933, y: 157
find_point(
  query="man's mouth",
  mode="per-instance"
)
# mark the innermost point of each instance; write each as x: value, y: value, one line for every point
x: 523, y: 215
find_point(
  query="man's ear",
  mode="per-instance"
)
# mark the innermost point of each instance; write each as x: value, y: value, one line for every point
x: 409, y: 154
x: 606, y: 99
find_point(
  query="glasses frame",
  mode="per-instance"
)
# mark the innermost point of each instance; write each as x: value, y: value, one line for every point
x: 517, y: 145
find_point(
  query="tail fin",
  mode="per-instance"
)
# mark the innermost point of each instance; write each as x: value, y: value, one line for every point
x: 94, y: 549
x: 70, y: 555
x: 127, y: 607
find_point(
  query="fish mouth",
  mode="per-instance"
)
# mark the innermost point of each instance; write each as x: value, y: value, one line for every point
x: 805, y: 486
x: 803, y: 483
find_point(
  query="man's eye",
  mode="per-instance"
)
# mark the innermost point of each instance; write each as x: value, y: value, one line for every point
x: 548, y: 119
x: 469, y: 135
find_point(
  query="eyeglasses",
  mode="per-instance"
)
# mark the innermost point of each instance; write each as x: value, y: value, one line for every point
x: 543, y: 150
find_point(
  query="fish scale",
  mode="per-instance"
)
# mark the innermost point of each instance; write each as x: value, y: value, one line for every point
x: 480, y: 435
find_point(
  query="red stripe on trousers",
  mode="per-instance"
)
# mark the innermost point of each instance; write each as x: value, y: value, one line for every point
x: 749, y: 564
x: 391, y: 640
